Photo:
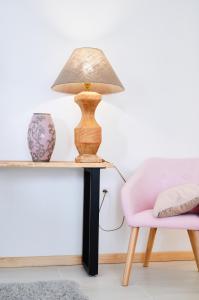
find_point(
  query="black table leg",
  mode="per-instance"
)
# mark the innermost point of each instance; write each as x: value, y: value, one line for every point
x: 91, y: 220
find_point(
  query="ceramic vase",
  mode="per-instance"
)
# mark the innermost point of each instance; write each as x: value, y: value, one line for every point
x: 41, y: 137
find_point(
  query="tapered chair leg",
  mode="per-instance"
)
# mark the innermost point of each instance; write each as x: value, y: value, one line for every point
x: 130, y: 255
x: 149, y: 247
x: 194, y: 239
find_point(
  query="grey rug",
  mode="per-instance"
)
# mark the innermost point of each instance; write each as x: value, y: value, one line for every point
x: 41, y: 290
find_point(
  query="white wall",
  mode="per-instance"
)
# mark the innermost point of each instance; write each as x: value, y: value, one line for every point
x: 153, y: 46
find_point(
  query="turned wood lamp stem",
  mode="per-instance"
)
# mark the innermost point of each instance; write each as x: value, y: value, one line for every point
x: 88, y: 134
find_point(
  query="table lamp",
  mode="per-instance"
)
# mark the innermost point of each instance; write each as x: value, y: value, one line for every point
x: 88, y: 74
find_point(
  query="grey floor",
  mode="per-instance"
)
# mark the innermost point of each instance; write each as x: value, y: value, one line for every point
x: 173, y: 280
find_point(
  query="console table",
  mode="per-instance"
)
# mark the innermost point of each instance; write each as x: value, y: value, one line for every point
x: 90, y: 208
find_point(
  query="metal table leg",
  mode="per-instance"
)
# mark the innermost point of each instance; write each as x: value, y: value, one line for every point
x: 91, y: 220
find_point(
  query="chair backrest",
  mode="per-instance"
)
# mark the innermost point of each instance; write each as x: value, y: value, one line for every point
x: 155, y: 175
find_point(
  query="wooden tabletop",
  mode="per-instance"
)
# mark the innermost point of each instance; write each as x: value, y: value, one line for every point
x: 52, y: 164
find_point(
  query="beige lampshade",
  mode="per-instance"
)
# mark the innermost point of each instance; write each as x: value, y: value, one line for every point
x: 87, y: 65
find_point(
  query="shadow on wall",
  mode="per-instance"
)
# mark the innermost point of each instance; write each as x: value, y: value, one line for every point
x: 64, y: 140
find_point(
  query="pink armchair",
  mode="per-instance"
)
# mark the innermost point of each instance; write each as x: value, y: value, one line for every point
x: 139, y: 195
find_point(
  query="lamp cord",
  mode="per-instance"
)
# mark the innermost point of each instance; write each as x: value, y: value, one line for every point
x: 102, y: 202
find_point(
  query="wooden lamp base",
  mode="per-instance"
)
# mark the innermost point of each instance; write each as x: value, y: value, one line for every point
x: 88, y: 158
x: 88, y: 134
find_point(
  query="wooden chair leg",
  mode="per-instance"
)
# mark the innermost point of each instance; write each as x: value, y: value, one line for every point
x: 130, y: 255
x: 149, y: 247
x: 194, y: 239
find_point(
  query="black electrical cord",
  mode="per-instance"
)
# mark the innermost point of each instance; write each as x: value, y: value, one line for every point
x: 101, y: 204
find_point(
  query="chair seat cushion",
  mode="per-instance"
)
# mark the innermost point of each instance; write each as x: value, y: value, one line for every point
x: 146, y: 219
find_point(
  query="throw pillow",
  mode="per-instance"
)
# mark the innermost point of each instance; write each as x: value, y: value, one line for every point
x: 177, y: 200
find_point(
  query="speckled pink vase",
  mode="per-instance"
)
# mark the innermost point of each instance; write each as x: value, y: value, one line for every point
x: 41, y: 137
